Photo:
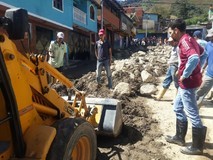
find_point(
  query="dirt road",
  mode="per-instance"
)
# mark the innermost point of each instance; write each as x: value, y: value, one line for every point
x: 163, y: 112
x: 146, y: 124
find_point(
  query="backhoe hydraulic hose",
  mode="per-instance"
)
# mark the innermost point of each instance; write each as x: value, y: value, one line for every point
x: 43, y: 109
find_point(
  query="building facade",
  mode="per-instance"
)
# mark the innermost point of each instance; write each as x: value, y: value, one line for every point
x: 117, y: 24
x: 48, y: 17
x: 80, y: 21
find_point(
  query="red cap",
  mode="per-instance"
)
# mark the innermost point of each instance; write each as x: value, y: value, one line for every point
x: 101, y: 32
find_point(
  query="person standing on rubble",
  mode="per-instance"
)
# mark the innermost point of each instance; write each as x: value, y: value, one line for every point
x: 190, y: 78
x: 103, y: 54
x: 171, y: 71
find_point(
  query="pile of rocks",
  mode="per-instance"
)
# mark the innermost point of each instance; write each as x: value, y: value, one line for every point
x: 136, y: 75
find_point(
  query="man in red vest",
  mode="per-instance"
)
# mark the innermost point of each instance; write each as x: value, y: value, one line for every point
x: 190, y: 78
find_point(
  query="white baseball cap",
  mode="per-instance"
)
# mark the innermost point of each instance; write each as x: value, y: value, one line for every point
x: 60, y: 35
x: 210, y: 33
x: 170, y: 39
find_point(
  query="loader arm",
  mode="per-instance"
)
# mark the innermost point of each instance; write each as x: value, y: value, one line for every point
x: 41, y: 119
x: 37, y: 107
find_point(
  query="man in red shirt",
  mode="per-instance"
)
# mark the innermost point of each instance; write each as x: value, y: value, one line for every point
x: 190, y: 78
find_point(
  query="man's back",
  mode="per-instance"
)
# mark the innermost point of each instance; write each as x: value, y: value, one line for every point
x: 188, y: 47
x: 209, y: 50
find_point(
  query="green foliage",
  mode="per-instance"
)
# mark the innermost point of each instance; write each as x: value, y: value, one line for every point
x: 162, y: 11
x: 197, y: 19
x: 193, y: 11
x: 189, y: 12
x: 147, y: 6
x: 181, y: 8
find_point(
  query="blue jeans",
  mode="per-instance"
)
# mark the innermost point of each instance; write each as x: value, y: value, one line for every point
x: 60, y: 69
x: 204, y: 89
x: 186, y: 101
x: 170, y: 76
x: 106, y: 65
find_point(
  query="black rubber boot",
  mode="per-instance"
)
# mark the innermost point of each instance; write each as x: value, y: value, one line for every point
x: 198, y: 140
x: 179, y: 138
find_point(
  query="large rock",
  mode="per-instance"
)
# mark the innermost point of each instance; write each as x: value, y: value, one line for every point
x: 119, y: 65
x: 148, y: 89
x: 162, y: 60
x: 122, y: 89
x: 146, y: 76
x: 141, y: 53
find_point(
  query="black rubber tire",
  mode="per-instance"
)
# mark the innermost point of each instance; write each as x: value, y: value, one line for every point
x: 70, y: 134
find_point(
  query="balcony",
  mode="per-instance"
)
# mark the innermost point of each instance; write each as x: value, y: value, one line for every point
x: 111, y: 18
x: 79, y: 16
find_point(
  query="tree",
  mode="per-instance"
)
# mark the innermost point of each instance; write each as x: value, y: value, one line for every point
x: 162, y: 11
x: 180, y: 9
x: 197, y: 19
x: 188, y: 11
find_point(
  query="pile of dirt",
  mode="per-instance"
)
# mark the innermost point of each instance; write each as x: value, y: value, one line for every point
x: 137, y: 118
x: 129, y: 71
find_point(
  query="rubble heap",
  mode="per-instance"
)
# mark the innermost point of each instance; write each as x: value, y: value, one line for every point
x: 133, y: 76
x: 134, y: 79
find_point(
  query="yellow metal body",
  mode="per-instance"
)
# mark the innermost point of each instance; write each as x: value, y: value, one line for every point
x: 38, y: 140
x: 6, y: 135
x: 39, y: 106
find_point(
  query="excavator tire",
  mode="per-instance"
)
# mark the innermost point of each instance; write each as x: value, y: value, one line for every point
x: 75, y: 140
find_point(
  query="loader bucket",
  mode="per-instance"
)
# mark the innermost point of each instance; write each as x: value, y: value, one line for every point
x: 109, y: 117
x: 109, y: 111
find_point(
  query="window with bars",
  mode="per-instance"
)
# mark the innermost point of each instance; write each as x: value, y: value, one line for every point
x: 58, y: 4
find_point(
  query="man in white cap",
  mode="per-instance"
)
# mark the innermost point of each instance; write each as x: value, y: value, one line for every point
x: 208, y: 78
x: 57, y: 52
x: 171, y: 71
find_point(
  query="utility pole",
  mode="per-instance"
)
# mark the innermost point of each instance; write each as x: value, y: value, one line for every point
x: 146, y: 27
x: 147, y: 18
x: 102, y: 14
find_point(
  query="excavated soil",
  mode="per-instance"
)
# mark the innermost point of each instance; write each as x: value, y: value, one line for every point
x: 146, y: 121
x: 137, y: 118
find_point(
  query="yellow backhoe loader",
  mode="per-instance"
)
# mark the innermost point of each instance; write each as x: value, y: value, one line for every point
x: 35, y: 121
